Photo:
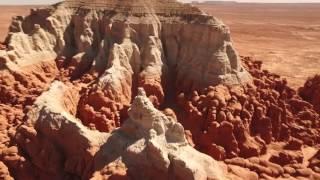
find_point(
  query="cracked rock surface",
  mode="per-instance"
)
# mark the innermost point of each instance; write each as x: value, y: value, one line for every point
x: 141, y: 89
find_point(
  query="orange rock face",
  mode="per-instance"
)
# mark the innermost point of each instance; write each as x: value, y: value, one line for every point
x: 113, y: 172
x: 140, y: 98
x: 4, y: 172
x: 311, y: 92
x: 232, y: 124
x: 19, y: 89
x: 242, y: 121
x: 3, y: 47
x: 99, y: 112
x: 24, y: 85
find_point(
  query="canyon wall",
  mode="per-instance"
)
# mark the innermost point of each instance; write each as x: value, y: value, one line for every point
x: 144, y: 90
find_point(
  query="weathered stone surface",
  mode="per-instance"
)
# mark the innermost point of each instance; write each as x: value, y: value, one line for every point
x: 194, y: 95
x: 171, y: 27
x: 242, y: 120
x: 155, y: 145
x: 4, y: 172
x: 56, y: 142
x: 149, y: 142
x: 128, y: 44
x: 311, y: 91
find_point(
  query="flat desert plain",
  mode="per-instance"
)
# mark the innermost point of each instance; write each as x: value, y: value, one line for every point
x: 286, y: 37
x: 6, y: 14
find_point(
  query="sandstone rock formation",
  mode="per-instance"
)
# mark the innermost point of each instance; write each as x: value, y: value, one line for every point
x: 149, y: 142
x: 142, y: 43
x: 153, y: 144
x: 54, y: 138
x: 240, y: 121
x: 4, y: 172
x: 135, y: 89
x: 311, y: 92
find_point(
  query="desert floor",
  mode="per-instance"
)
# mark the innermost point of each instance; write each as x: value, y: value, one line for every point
x: 286, y: 37
x: 6, y: 14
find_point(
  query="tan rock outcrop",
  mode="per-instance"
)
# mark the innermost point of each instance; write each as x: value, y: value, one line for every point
x: 149, y: 142
x: 140, y: 87
x: 155, y: 145
x: 4, y: 172
x: 67, y: 30
x: 56, y: 142
x: 144, y: 48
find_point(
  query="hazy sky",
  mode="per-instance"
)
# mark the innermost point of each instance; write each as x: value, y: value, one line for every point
x: 53, y: 1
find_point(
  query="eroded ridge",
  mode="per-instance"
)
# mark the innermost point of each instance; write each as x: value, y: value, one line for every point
x: 135, y: 89
x: 149, y: 142
x: 137, y: 7
x: 161, y: 49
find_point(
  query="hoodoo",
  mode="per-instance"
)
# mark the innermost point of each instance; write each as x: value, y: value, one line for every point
x: 169, y: 34
x: 163, y: 46
x: 108, y: 49
x: 135, y: 89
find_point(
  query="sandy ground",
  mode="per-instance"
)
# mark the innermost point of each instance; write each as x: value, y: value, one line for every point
x: 285, y: 36
x: 6, y: 14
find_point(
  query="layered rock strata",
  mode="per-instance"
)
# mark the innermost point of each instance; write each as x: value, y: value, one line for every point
x: 129, y: 44
x: 93, y: 122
